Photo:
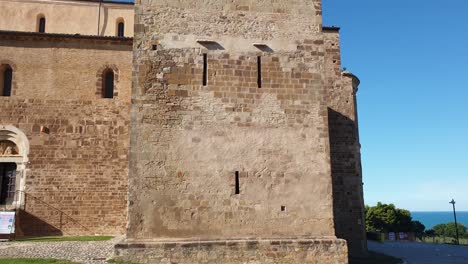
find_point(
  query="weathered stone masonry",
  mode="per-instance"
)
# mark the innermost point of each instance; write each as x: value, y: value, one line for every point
x: 76, y: 178
x: 222, y: 172
x: 230, y: 160
x: 348, y: 203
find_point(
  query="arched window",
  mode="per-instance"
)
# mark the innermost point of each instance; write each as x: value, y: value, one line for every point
x: 120, y: 27
x: 6, y: 80
x: 41, y: 24
x: 108, y: 84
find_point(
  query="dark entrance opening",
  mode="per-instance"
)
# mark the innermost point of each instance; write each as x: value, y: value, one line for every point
x: 108, y: 89
x: 7, y: 183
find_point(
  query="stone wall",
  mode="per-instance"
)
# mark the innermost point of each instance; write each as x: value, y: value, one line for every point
x: 189, y: 141
x: 345, y: 154
x: 186, y: 151
x: 76, y: 178
x: 217, y: 155
x: 66, y: 16
x: 274, y: 251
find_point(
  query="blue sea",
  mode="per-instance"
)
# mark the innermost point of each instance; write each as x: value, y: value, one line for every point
x: 430, y: 219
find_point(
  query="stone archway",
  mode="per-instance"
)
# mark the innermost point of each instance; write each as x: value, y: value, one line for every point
x: 14, y: 149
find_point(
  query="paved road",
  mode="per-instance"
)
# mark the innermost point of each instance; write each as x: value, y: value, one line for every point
x: 94, y: 252
x: 423, y: 253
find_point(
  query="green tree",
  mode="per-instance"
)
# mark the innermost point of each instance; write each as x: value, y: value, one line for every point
x: 430, y: 233
x: 380, y: 217
x: 418, y: 229
x: 439, y: 230
x: 448, y: 230
x: 404, y: 221
x: 388, y: 218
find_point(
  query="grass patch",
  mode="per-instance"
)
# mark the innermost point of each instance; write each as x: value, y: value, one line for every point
x: 65, y: 238
x: 375, y: 258
x: 34, y: 261
x: 444, y: 240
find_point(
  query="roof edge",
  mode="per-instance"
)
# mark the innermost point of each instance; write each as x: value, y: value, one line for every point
x: 65, y: 36
x: 356, y: 80
x: 104, y: 2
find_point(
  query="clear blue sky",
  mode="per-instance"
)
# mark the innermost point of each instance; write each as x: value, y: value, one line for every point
x: 412, y: 59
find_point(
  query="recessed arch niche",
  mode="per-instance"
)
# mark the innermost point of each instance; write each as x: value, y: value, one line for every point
x: 14, y: 149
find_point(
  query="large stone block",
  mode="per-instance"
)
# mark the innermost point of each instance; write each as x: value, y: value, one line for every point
x: 252, y: 251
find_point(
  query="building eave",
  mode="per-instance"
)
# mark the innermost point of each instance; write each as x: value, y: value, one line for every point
x: 104, y: 2
x: 7, y: 34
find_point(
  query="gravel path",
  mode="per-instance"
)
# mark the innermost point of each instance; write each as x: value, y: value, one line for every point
x: 95, y: 252
x: 423, y: 253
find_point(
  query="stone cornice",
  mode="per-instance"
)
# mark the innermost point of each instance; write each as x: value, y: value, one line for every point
x: 20, y: 35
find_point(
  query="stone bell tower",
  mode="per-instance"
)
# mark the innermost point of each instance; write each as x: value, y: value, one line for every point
x: 230, y: 148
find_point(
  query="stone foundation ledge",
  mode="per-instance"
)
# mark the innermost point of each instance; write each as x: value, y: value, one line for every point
x: 242, y: 251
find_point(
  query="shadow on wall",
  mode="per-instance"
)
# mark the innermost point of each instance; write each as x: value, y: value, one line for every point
x: 347, y: 182
x: 38, y: 218
x: 29, y: 225
x: 105, y: 21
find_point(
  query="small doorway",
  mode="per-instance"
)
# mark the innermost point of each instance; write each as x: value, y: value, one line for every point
x: 7, y: 183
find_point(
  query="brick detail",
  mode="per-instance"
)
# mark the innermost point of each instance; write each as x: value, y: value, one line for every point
x: 285, y: 251
x: 76, y: 182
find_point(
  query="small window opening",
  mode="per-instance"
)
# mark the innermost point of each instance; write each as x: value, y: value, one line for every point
x: 205, y: 69
x: 259, y: 71
x: 42, y: 25
x: 6, y: 80
x: 237, y: 190
x: 120, y: 29
x: 108, y: 84
x: 283, y: 208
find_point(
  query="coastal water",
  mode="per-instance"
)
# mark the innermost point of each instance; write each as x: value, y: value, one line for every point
x: 430, y: 219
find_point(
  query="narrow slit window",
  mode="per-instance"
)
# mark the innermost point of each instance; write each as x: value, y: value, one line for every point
x: 205, y: 69
x: 6, y: 83
x: 259, y: 71
x: 120, y: 29
x: 237, y: 190
x: 108, y: 84
x: 42, y: 25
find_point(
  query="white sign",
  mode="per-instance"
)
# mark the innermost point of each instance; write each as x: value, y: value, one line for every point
x: 391, y: 236
x: 7, y: 223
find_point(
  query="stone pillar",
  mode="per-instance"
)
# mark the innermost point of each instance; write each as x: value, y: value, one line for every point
x: 345, y: 149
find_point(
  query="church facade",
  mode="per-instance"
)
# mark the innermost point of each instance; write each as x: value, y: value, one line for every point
x: 64, y: 115
x: 199, y: 124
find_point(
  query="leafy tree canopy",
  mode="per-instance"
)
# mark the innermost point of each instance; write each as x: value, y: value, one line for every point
x: 388, y: 218
x: 448, y: 230
x: 418, y: 229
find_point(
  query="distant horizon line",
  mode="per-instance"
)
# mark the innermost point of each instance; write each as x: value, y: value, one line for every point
x: 461, y: 211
